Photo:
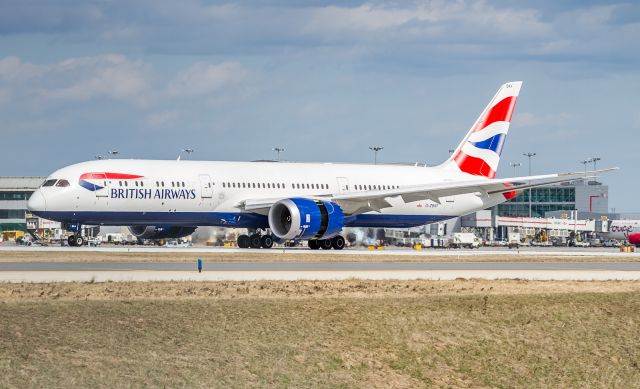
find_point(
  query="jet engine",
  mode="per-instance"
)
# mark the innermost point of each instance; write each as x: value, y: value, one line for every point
x: 634, y: 239
x: 299, y: 218
x: 161, y: 232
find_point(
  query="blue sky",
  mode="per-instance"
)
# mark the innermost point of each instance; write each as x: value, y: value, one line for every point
x: 325, y: 80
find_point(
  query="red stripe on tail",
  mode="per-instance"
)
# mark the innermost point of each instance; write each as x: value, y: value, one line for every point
x: 500, y: 112
x: 473, y: 165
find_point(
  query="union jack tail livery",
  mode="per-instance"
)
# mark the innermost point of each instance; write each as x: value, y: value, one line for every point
x: 479, y: 152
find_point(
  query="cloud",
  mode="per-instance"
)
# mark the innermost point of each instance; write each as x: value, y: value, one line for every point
x: 77, y: 79
x: 529, y: 119
x: 205, y: 78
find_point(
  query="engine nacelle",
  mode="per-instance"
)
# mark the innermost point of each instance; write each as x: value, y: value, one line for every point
x: 299, y: 218
x: 634, y: 239
x: 161, y: 232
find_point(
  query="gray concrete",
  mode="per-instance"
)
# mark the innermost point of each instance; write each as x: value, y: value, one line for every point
x: 498, y: 251
x: 318, y: 266
x: 287, y: 271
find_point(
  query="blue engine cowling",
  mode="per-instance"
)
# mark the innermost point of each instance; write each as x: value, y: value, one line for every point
x: 161, y: 232
x: 299, y: 218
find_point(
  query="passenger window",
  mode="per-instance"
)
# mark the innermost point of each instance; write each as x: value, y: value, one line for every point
x: 62, y: 183
x: 49, y: 182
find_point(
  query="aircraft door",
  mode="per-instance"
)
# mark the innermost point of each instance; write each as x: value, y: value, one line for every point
x: 101, y: 184
x: 206, y: 192
x: 343, y: 184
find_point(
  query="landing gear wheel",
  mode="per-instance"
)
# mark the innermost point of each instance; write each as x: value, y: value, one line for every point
x: 79, y: 240
x: 243, y: 241
x: 325, y: 244
x: 313, y: 244
x: 71, y: 240
x: 254, y: 241
x: 337, y: 242
x: 266, y: 241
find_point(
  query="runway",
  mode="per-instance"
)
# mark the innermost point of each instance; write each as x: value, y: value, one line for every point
x: 497, y: 251
x: 251, y: 271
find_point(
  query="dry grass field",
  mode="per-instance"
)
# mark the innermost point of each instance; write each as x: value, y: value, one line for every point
x: 321, y: 334
x: 277, y: 255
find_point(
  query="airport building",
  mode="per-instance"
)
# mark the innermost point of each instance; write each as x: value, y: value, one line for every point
x: 582, y: 196
x: 14, y: 193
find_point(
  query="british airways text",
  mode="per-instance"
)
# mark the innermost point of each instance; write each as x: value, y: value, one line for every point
x: 162, y: 194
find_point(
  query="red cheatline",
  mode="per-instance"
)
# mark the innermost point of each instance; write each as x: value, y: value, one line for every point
x: 112, y: 176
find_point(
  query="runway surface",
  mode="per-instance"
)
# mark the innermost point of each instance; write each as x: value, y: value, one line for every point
x: 498, y: 251
x: 251, y: 271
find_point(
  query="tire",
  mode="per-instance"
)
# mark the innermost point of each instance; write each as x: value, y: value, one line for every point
x: 72, y: 241
x: 243, y: 241
x: 325, y: 244
x: 266, y: 241
x: 337, y: 242
x: 79, y: 240
x: 254, y: 241
x: 313, y: 244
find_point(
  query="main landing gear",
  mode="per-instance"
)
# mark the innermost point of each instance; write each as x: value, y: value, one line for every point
x: 336, y: 243
x: 255, y: 241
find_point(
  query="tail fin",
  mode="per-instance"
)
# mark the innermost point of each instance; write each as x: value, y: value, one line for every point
x: 479, y: 152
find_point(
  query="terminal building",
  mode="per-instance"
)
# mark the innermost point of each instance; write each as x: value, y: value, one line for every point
x: 14, y: 193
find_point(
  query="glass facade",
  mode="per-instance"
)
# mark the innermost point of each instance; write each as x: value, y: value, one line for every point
x: 12, y: 213
x: 544, y: 199
x: 22, y: 195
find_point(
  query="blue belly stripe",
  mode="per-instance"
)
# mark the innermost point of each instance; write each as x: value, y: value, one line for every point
x: 224, y: 219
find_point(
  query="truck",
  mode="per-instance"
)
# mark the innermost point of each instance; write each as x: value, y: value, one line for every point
x: 464, y: 239
x: 514, y: 240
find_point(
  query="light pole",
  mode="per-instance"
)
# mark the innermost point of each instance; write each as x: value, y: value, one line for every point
x: 375, y: 150
x: 278, y: 150
x: 585, y: 162
x: 515, y: 166
x: 595, y: 166
x: 529, y: 155
x: 188, y: 151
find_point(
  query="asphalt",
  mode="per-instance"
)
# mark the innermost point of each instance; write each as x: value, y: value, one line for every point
x: 318, y: 266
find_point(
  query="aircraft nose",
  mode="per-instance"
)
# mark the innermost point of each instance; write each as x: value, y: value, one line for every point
x: 37, y: 202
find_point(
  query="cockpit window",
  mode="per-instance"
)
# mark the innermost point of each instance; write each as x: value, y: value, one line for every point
x: 62, y: 183
x: 49, y: 182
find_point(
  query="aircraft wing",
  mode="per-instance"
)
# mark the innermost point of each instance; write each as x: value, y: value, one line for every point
x: 375, y: 200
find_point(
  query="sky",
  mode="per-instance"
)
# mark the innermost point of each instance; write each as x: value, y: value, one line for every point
x: 324, y: 80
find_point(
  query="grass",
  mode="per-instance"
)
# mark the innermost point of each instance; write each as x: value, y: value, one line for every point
x: 460, y: 334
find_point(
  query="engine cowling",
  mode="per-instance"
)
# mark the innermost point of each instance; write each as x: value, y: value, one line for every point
x: 161, y: 232
x: 299, y: 218
x: 634, y: 239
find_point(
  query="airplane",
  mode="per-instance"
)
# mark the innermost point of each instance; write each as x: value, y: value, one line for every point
x: 288, y: 201
x: 628, y: 230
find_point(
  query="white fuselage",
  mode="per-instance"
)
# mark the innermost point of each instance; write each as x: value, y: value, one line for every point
x: 194, y: 193
x: 621, y: 229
